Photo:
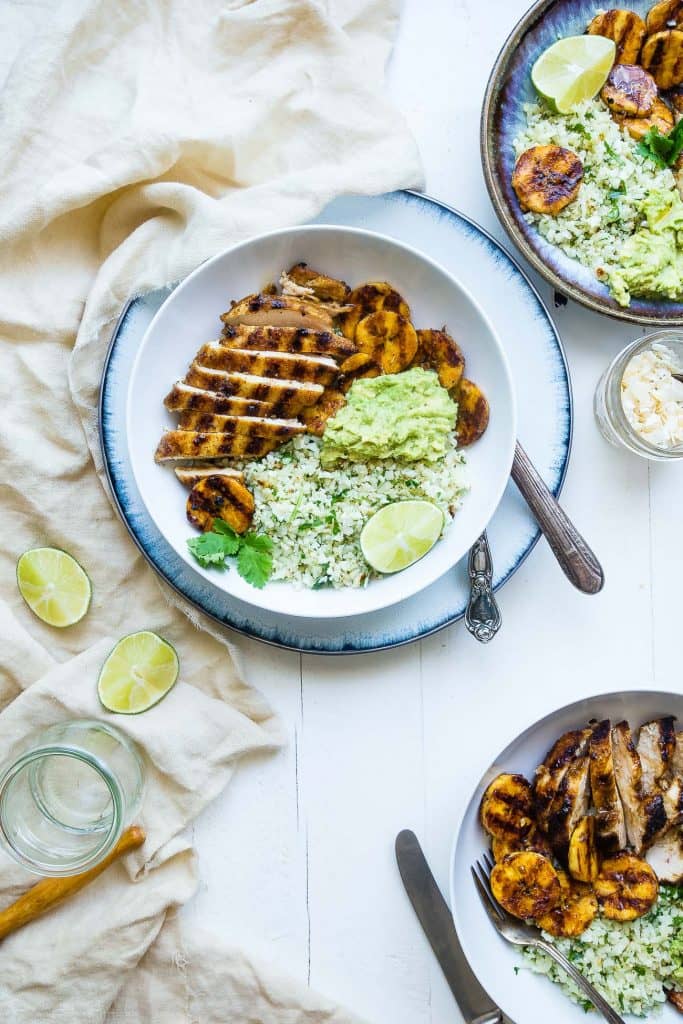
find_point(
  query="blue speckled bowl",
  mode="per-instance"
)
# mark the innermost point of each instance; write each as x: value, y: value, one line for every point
x: 508, y: 89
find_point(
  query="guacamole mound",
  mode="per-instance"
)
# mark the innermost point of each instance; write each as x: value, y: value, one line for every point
x: 404, y: 416
x: 651, y: 260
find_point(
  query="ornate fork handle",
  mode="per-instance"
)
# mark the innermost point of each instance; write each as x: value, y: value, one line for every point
x: 482, y: 617
x: 596, y: 999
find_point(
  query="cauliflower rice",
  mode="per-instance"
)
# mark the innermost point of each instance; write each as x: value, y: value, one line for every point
x: 630, y: 964
x: 616, y: 180
x: 314, y: 516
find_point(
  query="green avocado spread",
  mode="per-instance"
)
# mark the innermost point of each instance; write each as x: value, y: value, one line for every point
x: 404, y: 416
x: 651, y: 260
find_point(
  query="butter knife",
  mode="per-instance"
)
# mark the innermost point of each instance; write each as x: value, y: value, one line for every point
x: 437, y: 923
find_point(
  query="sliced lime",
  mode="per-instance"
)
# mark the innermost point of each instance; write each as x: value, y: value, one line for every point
x: 399, y: 534
x: 55, y: 587
x: 572, y: 70
x: 140, y: 670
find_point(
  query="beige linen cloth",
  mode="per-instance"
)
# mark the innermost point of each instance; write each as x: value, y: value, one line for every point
x: 138, y: 138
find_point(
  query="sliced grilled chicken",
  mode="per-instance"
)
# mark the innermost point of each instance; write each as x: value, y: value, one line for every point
x: 191, y: 475
x: 288, y: 339
x: 279, y: 311
x: 185, y: 398
x: 547, y: 178
x: 316, y: 416
x: 550, y: 773
x: 662, y: 56
x: 192, y: 444
x: 673, y: 801
x: 473, y: 412
x: 371, y: 298
x: 645, y: 813
x: 570, y: 805
x: 436, y: 350
x: 609, y: 817
x: 625, y: 28
x: 667, y: 14
x: 255, y: 426
x: 288, y: 397
x: 656, y: 748
x: 281, y: 365
x: 220, y: 497
x: 629, y: 90
x: 328, y: 289
x: 665, y: 857
x: 660, y: 117
x: 388, y: 338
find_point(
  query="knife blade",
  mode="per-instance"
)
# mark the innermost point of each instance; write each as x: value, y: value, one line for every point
x: 437, y: 923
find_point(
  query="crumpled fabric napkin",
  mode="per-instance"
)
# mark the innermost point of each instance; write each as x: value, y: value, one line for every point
x: 138, y: 139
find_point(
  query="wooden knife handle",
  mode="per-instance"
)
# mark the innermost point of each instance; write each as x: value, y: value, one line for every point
x: 51, y: 891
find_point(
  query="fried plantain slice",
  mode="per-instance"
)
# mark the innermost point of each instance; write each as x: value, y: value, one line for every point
x: 436, y: 350
x: 576, y: 910
x: 526, y: 885
x: 356, y: 366
x: 388, y: 338
x: 316, y: 416
x: 370, y: 298
x: 534, y: 841
x: 583, y: 862
x: 629, y: 90
x: 220, y: 497
x: 662, y: 56
x: 547, y: 178
x: 660, y: 117
x: 625, y: 28
x: 506, y: 809
x: 327, y: 289
x: 675, y: 98
x: 626, y: 887
x: 473, y: 412
x: 667, y: 14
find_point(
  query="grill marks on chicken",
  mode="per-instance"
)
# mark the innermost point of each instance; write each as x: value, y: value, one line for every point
x: 279, y: 311
x: 193, y: 444
x: 644, y: 811
x: 609, y: 813
x: 288, y: 339
x: 281, y: 365
x: 288, y: 396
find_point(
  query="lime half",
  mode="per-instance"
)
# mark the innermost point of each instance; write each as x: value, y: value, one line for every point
x: 55, y: 587
x: 572, y: 70
x: 140, y: 670
x: 399, y: 534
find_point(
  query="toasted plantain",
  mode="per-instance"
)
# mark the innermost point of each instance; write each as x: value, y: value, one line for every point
x: 473, y: 412
x: 220, y: 497
x: 506, y: 807
x: 370, y: 298
x: 526, y: 885
x: 660, y: 117
x: 667, y: 14
x: 626, y: 887
x: 576, y: 910
x: 316, y: 416
x: 662, y: 56
x: 436, y: 350
x: 625, y: 28
x: 547, y: 178
x: 355, y: 367
x: 388, y: 338
x: 583, y: 862
x: 534, y: 841
x: 328, y: 289
x: 629, y: 90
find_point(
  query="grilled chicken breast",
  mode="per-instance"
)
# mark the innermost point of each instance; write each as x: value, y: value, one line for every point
x: 547, y: 178
x: 254, y: 426
x: 665, y: 857
x: 220, y: 497
x: 185, y: 398
x: 625, y: 28
x: 667, y: 14
x: 192, y: 444
x: 191, y: 475
x: 436, y: 350
x: 629, y: 90
x: 656, y: 748
x: 550, y: 773
x: 278, y: 311
x: 281, y: 365
x: 316, y: 416
x: 644, y: 813
x: 662, y: 56
x: 288, y: 339
x: 609, y: 818
x: 288, y: 397
x: 570, y: 804
x: 327, y: 289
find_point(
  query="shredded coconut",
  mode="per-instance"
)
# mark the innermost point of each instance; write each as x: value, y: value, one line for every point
x: 652, y: 399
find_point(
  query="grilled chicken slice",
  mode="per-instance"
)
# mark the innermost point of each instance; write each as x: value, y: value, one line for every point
x: 547, y: 178
x: 356, y: 367
x: 281, y: 365
x: 551, y: 772
x: 288, y: 339
x: 288, y: 397
x: 667, y: 14
x: 570, y: 805
x: 220, y: 497
x: 327, y: 289
x: 673, y: 801
x: 473, y: 412
x: 436, y: 350
x: 645, y: 813
x: 576, y: 910
x: 192, y: 444
x: 662, y: 56
x: 665, y: 857
x: 625, y: 28
x: 609, y: 816
x: 629, y: 90
x: 316, y: 416
x: 656, y: 748
x: 388, y: 338
x: 660, y: 117
x: 255, y: 426
x: 371, y: 298
x: 279, y: 311
x: 191, y: 475
x: 626, y: 887
x: 185, y: 398
x: 677, y: 764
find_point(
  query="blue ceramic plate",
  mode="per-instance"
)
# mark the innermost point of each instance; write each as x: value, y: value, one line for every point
x: 508, y: 90
x: 545, y: 417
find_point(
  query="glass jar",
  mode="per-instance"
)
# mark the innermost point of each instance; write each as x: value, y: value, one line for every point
x: 608, y: 405
x: 65, y: 802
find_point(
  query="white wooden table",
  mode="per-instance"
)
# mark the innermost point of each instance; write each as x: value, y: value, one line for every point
x: 297, y: 857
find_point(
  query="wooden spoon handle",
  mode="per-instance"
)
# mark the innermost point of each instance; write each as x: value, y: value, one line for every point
x: 50, y: 891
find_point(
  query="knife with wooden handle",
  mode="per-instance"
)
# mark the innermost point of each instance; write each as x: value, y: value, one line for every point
x: 47, y: 893
x: 437, y: 923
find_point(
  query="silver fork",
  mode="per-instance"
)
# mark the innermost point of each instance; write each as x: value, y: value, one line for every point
x: 521, y: 934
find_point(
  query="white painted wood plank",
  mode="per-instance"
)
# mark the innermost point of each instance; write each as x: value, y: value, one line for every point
x: 666, y: 507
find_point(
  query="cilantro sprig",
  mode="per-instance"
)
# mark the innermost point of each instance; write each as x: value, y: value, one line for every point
x: 663, y: 149
x: 253, y: 552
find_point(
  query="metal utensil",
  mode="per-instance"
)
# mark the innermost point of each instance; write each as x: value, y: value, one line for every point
x: 576, y: 559
x: 521, y: 934
x: 482, y: 618
x: 678, y: 377
x: 437, y: 923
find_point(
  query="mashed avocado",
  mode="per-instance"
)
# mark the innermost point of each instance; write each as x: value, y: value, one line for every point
x: 651, y: 260
x: 404, y: 416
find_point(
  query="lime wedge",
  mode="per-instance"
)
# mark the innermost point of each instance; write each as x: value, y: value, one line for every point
x: 140, y: 670
x: 399, y: 534
x: 55, y: 587
x: 572, y: 70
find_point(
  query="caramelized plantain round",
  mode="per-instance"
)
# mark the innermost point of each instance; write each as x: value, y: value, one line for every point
x: 534, y: 841
x: 667, y: 14
x: 388, y: 338
x: 547, y: 178
x: 370, y: 298
x: 506, y: 810
x: 662, y: 56
x: 526, y: 885
x: 473, y: 412
x: 625, y: 28
x: 629, y: 90
x: 436, y: 350
x: 659, y: 117
x: 359, y: 365
x: 220, y: 497
x: 583, y: 861
x: 575, y: 911
x: 626, y: 887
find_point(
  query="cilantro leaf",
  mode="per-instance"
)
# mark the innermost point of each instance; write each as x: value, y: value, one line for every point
x: 255, y: 561
x: 253, y: 550
x: 210, y: 549
x: 231, y: 540
x: 663, y: 149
